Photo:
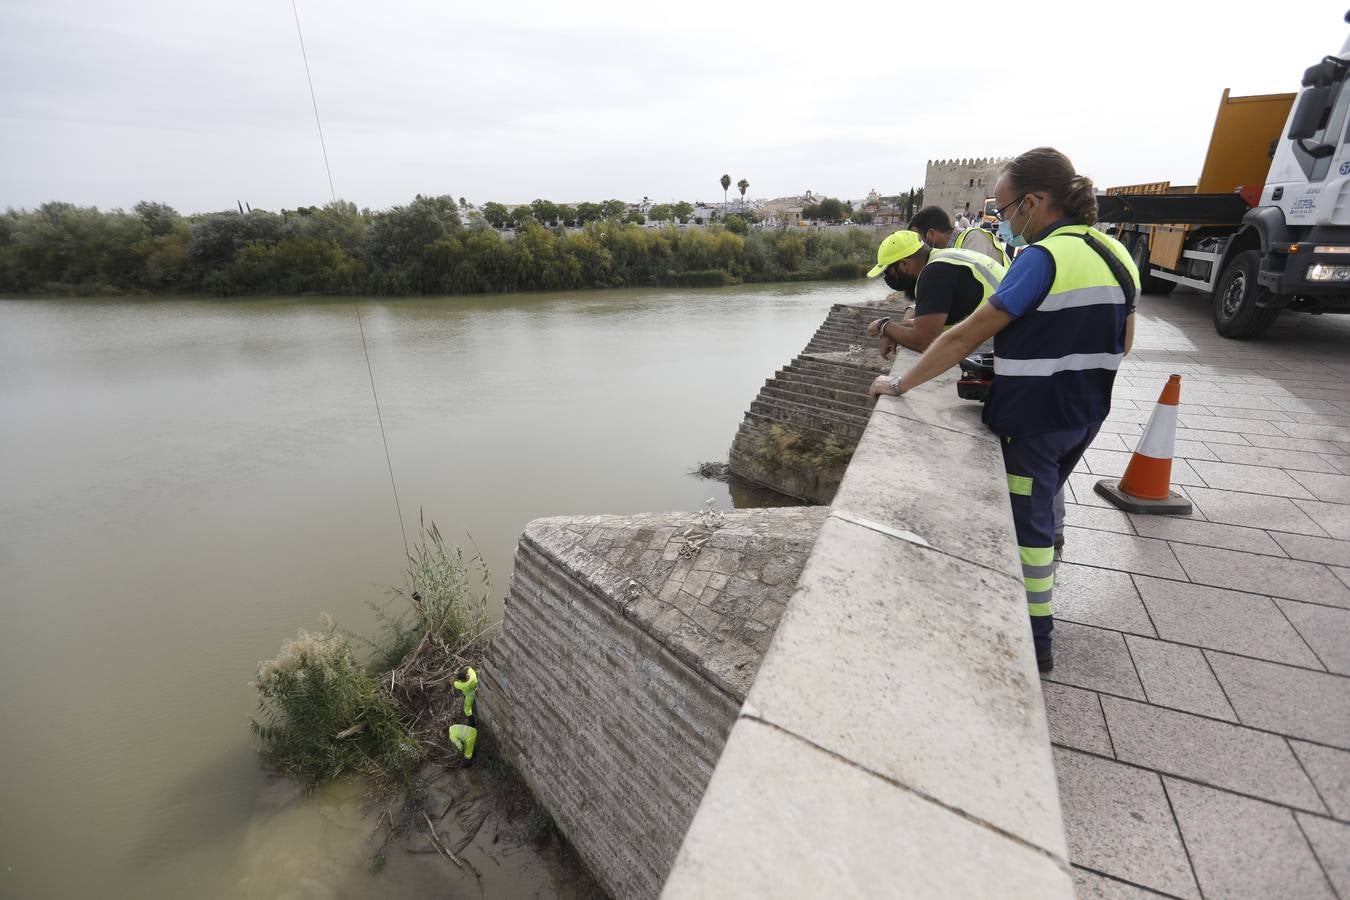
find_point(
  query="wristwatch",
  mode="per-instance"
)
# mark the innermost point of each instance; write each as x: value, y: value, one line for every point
x: 895, y: 386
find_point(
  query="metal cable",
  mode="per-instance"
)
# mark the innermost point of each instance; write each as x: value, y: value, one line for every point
x: 371, y: 372
x: 314, y: 100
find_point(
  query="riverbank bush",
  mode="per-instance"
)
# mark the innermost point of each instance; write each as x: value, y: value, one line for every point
x: 419, y: 248
x: 325, y: 711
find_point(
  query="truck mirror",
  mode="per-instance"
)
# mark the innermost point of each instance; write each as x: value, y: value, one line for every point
x: 1309, y: 115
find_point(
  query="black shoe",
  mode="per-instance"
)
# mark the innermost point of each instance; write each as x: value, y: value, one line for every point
x: 1059, y: 548
x: 1045, y: 661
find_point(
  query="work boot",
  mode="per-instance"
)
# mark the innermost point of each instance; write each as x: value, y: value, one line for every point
x: 1059, y: 547
x: 1045, y: 660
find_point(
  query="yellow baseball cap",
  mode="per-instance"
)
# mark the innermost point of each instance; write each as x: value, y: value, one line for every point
x: 898, y: 246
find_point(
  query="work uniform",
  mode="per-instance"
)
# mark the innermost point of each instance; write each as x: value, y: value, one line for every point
x: 1054, y: 367
x: 980, y: 241
x: 955, y: 282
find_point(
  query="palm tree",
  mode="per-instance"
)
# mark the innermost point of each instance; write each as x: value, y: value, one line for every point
x: 742, y: 184
x: 726, y: 185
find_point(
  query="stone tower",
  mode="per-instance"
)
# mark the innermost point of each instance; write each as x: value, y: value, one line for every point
x: 960, y: 185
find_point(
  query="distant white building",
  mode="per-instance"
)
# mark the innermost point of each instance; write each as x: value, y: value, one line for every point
x: 961, y: 185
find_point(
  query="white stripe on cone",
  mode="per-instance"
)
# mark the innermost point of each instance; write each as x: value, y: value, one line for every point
x: 1160, y: 435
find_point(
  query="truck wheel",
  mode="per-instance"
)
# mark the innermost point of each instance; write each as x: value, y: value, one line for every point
x: 1236, y: 314
x: 1147, y: 283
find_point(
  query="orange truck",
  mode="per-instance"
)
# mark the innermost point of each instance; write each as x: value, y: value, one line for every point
x: 1266, y: 227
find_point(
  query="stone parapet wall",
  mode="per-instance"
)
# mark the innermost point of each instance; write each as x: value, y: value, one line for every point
x: 623, y: 657
x: 894, y: 741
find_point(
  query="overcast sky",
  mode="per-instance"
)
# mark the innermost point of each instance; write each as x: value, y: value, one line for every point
x: 198, y: 105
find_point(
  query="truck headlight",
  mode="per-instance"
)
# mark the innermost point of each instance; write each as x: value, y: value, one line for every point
x: 1328, y: 273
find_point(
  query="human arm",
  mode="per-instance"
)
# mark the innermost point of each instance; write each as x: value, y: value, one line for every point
x: 949, y: 349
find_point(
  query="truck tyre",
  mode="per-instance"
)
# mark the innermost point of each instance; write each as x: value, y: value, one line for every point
x: 1236, y: 314
x: 1147, y: 283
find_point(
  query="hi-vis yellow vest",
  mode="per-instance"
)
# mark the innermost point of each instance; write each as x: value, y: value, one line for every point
x: 987, y: 272
x: 960, y: 244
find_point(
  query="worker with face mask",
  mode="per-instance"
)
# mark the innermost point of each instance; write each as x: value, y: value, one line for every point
x: 1062, y: 320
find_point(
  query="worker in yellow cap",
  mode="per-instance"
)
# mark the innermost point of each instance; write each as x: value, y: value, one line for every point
x: 949, y: 284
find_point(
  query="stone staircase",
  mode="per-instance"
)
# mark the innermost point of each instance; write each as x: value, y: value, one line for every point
x: 800, y: 431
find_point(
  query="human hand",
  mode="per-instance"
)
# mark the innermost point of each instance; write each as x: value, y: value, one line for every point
x: 881, y: 385
x: 874, y: 327
x: 887, y: 346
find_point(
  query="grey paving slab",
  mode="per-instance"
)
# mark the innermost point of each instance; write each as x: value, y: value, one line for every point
x: 1190, y: 450
x: 1118, y: 822
x: 1208, y: 534
x: 1250, y: 479
x: 1338, y: 463
x: 1209, y: 436
x: 1178, y: 677
x: 1075, y: 718
x: 1220, y: 412
x: 1314, y: 549
x: 963, y: 727
x: 1220, y: 619
x: 881, y: 835
x: 1099, y: 597
x: 1094, y: 658
x: 1295, y: 404
x: 1269, y: 456
x: 1245, y: 848
x: 1253, y: 511
x: 1314, y: 706
x: 1243, y: 426
x: 1331, y: 843
x: 1329, y: 488
x: 1291, y: 578
x: 1327, y: 631
x: 1099, y: 518
x: 1130, y: 430
x: 1218, y: 753
x: 1091, y: 886
x: 1232, y: 402
x: 1332, y: 518
x: 1329, y: 770
x: 1318, y: 432
x: 1122, y: 552
x: 1301, y: 445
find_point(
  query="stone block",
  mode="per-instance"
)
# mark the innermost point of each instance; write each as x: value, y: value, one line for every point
x: 925, y: 676
x: 1327, y: 631
x: 1099, y: 597
x: 1325, y: 487
x: 1121, y: 552
x: 1314, y: 549
x: 1334, y: 518
x: 1178, y: 677
x: 1314, y: 706
x: 1227, y: 756
x: 1098, y: 518
x: 1075, y: 718
x: 1245, y: 848
x: 1251, y: 479
x: 1215, y: 437
x: 1317, y: 432
x: 1091, y: 886
x: 1298, y: 445
x: 1111, y: 464
x: 775, y: 799
x: 1094, y: 658
x: 1331, y: 843
x: 1290, y: 578
x: 1253, y: 510
x: 1270, y: 456
x: 1185, y: 530
x: 982, y: 529
x: 1243, y: 426
x: 1329, y: 770
x: 1249, y: 624
x: 1119, y: 823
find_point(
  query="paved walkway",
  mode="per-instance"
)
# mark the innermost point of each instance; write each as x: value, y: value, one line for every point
x: 1200, y: 702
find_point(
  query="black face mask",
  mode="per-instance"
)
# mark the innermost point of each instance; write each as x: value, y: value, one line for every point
x: 898, y: 281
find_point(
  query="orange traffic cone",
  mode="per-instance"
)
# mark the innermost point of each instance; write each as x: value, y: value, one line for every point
x: 1146, y: 484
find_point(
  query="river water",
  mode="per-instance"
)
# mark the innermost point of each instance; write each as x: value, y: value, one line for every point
x: 184, y: 483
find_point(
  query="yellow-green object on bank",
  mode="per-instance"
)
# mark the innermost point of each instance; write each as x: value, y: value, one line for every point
x: 464, y: 737
x: 468, y: 687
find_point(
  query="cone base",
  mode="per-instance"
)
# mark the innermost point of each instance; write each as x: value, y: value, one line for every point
x: 1175, y: 504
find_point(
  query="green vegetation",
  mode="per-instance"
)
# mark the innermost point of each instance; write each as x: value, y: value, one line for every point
x: 423, y: 247
x: 324, y: 713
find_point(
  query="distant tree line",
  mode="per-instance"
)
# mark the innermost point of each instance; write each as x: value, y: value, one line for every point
x: 422, y: 247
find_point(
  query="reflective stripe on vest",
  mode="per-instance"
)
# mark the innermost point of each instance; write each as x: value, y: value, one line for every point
x: 959, y: 243
x: 988, y: 273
